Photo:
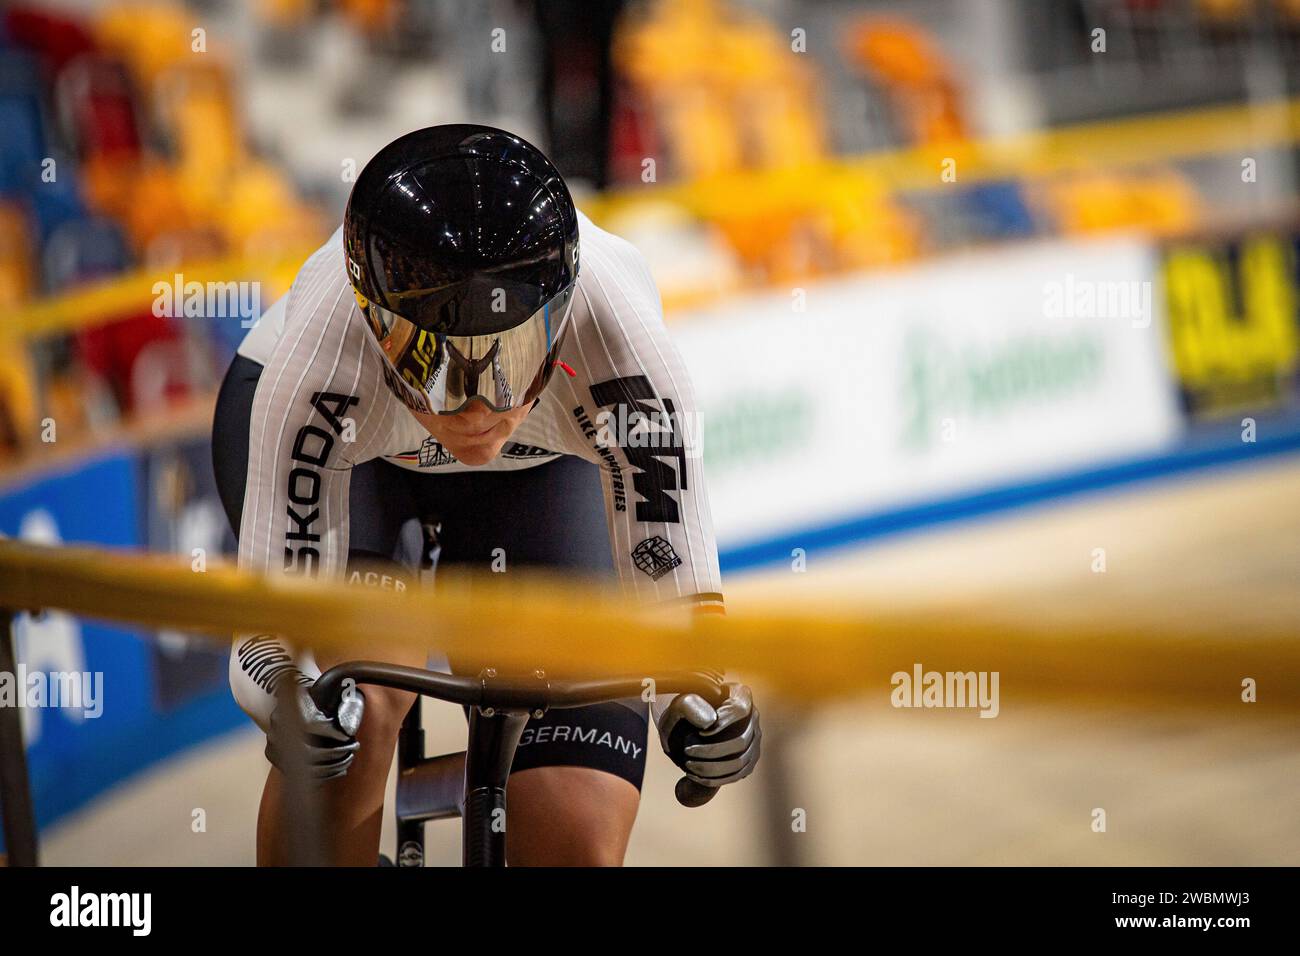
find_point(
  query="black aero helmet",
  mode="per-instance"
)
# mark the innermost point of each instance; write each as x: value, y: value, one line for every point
x: 461, y: 244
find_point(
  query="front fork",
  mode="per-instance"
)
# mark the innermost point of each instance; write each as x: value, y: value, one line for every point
x: 493, y: 737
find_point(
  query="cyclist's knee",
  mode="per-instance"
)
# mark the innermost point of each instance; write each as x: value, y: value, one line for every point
x: 386, y: 708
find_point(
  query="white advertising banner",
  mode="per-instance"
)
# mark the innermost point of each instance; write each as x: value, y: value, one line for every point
x: 856, y: 396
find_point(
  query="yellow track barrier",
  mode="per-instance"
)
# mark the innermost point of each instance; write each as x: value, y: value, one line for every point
x: 522, y: 621
x: 126, y: 294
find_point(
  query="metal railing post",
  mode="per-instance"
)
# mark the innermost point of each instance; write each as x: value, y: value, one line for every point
x: 15, y: 786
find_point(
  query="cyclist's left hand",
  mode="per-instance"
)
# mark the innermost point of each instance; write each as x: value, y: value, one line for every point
x: 713, y: 747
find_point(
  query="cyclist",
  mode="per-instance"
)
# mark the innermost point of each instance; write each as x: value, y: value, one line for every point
x: 448, y: 357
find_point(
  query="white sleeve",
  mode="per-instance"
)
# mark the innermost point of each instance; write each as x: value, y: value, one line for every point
x: 316, y: 413
x: 261, y: 339
x: 633, y: 412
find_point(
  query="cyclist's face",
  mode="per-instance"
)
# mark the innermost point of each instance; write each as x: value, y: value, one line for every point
x: 475, y: 434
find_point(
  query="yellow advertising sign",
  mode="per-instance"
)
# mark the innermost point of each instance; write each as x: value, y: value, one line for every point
x: 1233, y: 322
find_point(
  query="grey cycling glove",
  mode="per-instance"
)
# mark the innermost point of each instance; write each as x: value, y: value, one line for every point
x: 713, y: 747
x: 308, y: 740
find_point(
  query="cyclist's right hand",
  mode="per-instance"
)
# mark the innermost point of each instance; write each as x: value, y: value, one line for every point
x: 324, y: 746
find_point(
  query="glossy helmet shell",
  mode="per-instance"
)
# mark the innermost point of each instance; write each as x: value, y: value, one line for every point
x: 461, y: 229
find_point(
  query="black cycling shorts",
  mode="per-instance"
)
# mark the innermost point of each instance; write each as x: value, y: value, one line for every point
x: 551, y: 515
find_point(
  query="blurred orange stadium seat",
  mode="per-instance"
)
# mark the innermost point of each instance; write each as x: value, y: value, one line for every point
x: 284, y: 13
x: 17, y: 386
x: 867, y: 226
x: 722, y: 85
x: 1162, y: 201
x: 15, y: 255
x: 150, y: 37
x: 370, y: 16
x: 1225, y: 10
x: 264, y: 214
x: 196, y: 108
x: 157, y: 203
x: 916, y: 74
x: 175, y: 247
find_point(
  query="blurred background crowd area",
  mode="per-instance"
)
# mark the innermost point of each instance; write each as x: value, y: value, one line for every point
x: 738, y: 143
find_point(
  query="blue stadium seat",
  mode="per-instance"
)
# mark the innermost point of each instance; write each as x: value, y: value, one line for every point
x: 23, y: 144
x: 999, y: 210
x: 84, y: 250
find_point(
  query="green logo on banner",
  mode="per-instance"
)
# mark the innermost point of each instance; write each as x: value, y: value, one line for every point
x: 755, y: 429
x: 990, y: 381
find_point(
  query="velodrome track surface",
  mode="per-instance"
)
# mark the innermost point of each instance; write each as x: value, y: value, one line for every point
x: 882, y: 786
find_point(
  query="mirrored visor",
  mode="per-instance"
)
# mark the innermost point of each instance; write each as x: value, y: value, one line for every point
x: 503, y: 369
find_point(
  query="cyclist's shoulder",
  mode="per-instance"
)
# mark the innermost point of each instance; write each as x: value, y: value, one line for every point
x: 592, y: 236
x: 316, y: 323
x: 613, y: 277
x: 318, y: 288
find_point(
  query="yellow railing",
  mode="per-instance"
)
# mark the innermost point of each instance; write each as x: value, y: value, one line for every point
x: 129, y: 293
x: 521, y: 621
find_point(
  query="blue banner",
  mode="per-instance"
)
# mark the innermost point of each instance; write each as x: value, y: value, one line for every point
x: 101, y: 702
